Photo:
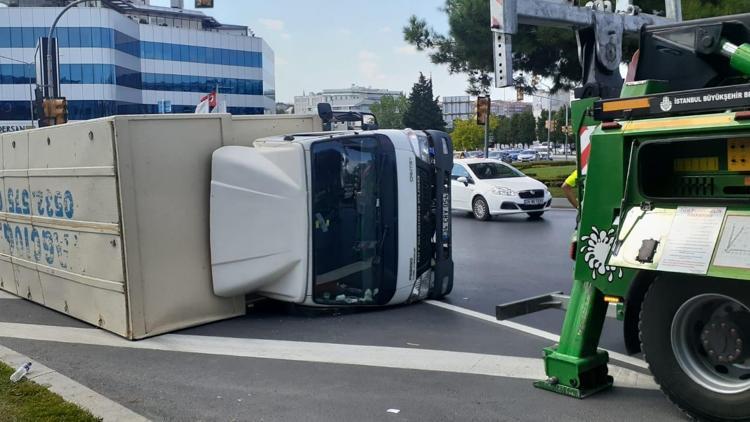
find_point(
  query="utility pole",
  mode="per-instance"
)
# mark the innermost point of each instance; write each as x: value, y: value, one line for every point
x: 486, y: 129
x: 549, y: 123
x: 565, y: 147
x: 484, y: 112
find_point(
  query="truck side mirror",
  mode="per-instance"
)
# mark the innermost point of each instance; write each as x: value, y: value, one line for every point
x: 325, y: 112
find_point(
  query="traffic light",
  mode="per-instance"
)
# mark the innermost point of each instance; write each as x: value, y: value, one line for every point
x: 519, y: 93
x: 55, y: 111
x: 483, y: 110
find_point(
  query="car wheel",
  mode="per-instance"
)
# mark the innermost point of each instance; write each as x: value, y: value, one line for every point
x: 536, y: 215
x: 481, y: 209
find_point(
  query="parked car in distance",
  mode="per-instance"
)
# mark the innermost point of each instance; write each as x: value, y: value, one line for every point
x: 544, y: 155
x: 527, y: 155
x: 487, y: 187
x: 499, y: 155
x: 513, y: 154
x: 474, y: 154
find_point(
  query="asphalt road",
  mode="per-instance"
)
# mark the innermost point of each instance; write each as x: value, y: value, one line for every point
x: 511, y: 258
x: 354, y: 365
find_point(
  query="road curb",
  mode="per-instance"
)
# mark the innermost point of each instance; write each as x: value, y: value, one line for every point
x: 70, y: 390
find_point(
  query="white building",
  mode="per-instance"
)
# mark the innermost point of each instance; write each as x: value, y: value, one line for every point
x: 458, y: 107
x: 129, y: 57
x: 355, y: 98
x: 558, y: 100
x: 509, y: 108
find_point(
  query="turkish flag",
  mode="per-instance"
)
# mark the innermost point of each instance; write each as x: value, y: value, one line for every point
x: 211, y: 99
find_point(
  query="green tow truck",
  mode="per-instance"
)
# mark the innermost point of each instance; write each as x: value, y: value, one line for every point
x: 663, y: 240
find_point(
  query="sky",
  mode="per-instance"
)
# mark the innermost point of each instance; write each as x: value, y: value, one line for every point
x: 334, y: 44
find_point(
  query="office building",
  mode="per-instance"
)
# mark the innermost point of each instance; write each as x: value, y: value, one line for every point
x: 458, y: 107
x: 129, y: 56
x: 509, y: 108
x: 542, y: 100
x: 355, y: 98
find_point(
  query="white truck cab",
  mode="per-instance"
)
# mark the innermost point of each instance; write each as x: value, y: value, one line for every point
x: 337, y: 218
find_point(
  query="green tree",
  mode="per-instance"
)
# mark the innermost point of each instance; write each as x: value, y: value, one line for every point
x: 557, y: 135
x: 467, y: 135
x: 390, y: 111
x: 503, y: 131
x: 696, y: 9
x: 547, y: 52
x: 523, y: 128
x: 423, y: 111
x: 541, y: 125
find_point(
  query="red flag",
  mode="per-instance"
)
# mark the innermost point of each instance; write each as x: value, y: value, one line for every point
x: 211, y: 99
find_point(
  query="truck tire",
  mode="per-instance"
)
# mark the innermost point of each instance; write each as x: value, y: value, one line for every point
x: 480, y: 209
x: 687, y: 324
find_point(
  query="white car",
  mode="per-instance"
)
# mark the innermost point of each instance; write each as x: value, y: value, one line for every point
x: 490, y: 187
x: 528, y: 155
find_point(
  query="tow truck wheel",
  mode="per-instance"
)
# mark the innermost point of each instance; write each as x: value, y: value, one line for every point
x: 695, y: 335
x: 481, y: 209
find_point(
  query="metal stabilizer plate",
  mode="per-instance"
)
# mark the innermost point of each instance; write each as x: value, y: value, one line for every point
x: 578, y: 393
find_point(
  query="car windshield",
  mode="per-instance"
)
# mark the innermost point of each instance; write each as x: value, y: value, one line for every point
x: 490, y: 170
x: 529, y: 151
x: 354, y: 215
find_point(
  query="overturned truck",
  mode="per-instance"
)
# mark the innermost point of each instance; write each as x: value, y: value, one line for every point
x: 146, y: 224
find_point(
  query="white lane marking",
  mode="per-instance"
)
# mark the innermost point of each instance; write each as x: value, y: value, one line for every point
x: 376, y: 356
x: 6, y: 295
x: 70, y: 390
x: 531, y: 330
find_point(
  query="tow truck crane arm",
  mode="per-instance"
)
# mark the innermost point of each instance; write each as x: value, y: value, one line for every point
x: 600, y: 32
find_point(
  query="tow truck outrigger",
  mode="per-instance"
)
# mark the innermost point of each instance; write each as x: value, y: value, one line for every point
x: 664, y: 234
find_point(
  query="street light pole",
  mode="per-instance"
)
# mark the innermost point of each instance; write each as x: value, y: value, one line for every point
x: 49, y: 41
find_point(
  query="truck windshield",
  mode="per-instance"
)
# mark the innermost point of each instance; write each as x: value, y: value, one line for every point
x: 354, y: 216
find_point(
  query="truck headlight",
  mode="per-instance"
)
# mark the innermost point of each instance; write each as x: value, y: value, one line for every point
x: 422, y: 286
x: 419, y: 144
x: 498, y: 190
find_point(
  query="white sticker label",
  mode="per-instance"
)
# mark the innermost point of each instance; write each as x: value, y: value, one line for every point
x: 691, y: 240
x: 734, y: 243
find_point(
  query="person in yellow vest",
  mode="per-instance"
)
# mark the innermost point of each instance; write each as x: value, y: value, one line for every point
x: 568, y: 188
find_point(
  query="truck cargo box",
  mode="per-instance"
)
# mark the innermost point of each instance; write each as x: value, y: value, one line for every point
x: 107, y: 220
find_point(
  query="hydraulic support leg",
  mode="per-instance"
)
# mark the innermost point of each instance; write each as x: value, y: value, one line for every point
x: 575, y: 367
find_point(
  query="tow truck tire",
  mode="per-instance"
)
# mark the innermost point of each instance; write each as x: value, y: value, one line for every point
x: 480, y: 209
x: 681, y: 310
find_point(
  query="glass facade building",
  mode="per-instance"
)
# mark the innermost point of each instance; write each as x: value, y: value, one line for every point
x: 125, y: 62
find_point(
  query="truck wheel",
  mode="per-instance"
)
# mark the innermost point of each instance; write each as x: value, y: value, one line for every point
x: 695, y: 335
x: 481, y: 209
x: 535, y: 215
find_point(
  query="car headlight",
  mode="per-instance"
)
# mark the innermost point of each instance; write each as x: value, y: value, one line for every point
x: 498, y: 190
